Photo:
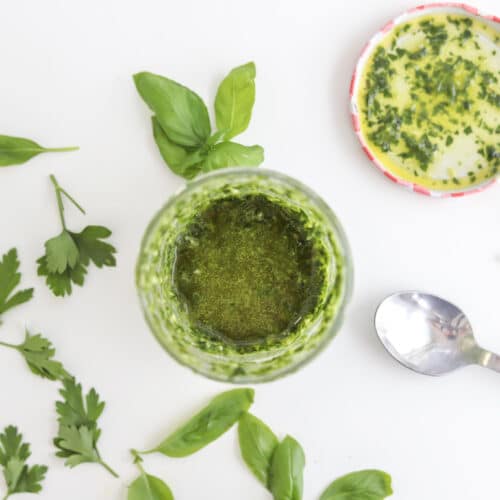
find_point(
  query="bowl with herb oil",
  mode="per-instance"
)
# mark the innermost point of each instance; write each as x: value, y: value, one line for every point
x: 425, y: 100
x: 244, y: 275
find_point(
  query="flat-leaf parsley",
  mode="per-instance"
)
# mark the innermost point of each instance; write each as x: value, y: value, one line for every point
x: 68, y: 255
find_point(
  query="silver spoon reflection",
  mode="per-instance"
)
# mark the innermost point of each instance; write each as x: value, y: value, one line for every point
x: 429, y: 335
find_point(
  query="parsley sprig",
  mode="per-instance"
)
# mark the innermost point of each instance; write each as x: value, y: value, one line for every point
x: 78, y: 430
x: 10, y: 278
x: 68, y: 255
x: 38, y: 353
x: 19, y: 477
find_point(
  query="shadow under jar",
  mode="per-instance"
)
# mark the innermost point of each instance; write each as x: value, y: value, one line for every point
x: 244, y: 275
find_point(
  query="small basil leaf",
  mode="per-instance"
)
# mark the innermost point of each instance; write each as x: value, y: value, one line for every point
x: 147, y: 487
x: 232, y: 154
x: 179, y: 159
x: 17, y: 150
x: 360, y: 485
x: 257, y: 444
x: 181, y: 113
x: 286, y: 480
x: 235, y: 99
x: 207, y: 425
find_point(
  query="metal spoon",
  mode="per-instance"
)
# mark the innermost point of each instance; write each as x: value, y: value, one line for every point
x: 429, y: 335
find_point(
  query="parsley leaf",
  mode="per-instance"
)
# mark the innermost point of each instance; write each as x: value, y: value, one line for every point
x: 92, y: 248
x: 78, y: 430
x: 68, y: 255
x: 61, y: 253
x: 19, y: 477
x: 9, y: 279
x: 38, y: 353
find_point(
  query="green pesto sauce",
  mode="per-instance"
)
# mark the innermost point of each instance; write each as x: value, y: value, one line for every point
x: 246, y: 269
x: 430, y: 101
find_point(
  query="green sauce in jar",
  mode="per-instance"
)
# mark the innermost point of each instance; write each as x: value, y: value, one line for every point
x: 247, y: 269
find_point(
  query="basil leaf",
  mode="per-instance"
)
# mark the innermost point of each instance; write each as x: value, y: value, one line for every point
x: 286, y: 480
x: 232, y: 154
x: 16, y: 150
x: 147, y: 487
x: 235, y: 99
x: 181, y: 113
x: 257, y: 444
x: 360, y: 485
x: 180, y: 161
x: 206, y: 426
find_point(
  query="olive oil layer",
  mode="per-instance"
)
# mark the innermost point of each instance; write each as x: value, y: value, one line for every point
x: 430, y: 101
x: 246, y: 270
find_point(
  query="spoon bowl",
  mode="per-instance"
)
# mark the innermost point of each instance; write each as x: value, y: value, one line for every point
x: 428, y: 334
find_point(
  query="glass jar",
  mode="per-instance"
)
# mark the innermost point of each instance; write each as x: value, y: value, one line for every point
x: 167, y: 315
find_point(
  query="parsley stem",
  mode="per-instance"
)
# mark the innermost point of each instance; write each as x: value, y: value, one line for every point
x: 11, y: 346
x: 108, y: 468
x: 59, y: 192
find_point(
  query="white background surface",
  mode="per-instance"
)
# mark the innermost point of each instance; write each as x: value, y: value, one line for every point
x: 66, y: 79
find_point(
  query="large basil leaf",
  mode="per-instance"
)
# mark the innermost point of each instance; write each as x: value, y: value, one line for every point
x: 207, y: 425
x: 235, y: 99
x: 181, y: 113
x: 257, y: 444
x: 147, y: 487
x: 286, y: 480
x: 232, y: 154
x: 360, y: 485
x: 182, y: 162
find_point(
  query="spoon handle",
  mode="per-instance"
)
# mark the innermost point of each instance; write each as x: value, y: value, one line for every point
x: 489, y: 360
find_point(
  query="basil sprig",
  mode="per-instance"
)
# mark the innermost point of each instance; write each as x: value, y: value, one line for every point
x: 181, y: 125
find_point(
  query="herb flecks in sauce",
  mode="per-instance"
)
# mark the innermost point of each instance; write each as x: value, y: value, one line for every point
x: 246, y: 269
x: 429, y: 100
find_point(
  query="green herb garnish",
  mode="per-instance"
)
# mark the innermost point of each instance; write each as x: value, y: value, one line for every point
x: 364, y: 484
x: 147, y: 487
x: 79, y: 433
x: 19, y: 477
x: 436, y: 35
x: 38, y: 353
x: 181, y: 125
x: 388, y: 131
x: 16, y: 150
x: 68, y: 255
x: 207, y: 425
x: 422, y: 149
x: 10, y: 278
